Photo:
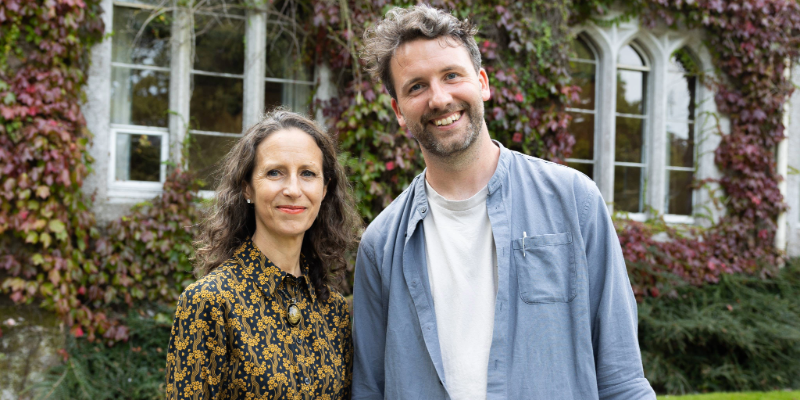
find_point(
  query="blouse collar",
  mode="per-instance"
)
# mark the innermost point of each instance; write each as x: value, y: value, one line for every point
x: 258, y: 269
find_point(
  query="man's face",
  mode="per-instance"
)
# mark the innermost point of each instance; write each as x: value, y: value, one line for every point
x: 439, y: 95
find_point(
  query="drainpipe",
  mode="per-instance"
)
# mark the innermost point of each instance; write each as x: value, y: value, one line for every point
x: 783, y: 164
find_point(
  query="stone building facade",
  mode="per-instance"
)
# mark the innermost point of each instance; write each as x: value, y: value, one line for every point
x: 645, y: 127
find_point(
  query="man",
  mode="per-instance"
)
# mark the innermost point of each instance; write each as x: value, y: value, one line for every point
x: 495, y: 274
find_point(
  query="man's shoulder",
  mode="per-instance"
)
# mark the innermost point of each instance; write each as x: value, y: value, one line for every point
x: 555, y: 174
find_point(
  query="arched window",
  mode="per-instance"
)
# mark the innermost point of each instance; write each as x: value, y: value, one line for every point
x: 630, y: 125
x: 583, y: 68
x: 681, y: 82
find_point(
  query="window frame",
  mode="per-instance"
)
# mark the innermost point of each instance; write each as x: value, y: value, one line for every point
x: 595, y: 119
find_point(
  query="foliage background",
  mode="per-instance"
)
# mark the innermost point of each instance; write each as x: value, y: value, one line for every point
x: 54, y: 253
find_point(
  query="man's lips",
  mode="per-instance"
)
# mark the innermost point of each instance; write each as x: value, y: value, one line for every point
x: 292, y: 209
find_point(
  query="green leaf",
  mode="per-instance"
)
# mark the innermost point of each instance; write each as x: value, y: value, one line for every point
x: 56, y: 226
x: 37, y: 259
x: 46, y: 239
x: 32, y: 237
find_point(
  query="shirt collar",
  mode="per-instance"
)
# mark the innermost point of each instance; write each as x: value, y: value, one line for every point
x: 419, y: 204
x: 255, y: 267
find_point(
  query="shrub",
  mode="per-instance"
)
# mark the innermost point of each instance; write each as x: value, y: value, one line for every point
x: 742, y: 333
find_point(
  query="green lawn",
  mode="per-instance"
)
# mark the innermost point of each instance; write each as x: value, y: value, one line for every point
x: 738, y: 396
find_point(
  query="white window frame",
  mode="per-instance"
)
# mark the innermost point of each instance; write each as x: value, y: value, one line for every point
x: 656, y: 46
x: 593, y: 112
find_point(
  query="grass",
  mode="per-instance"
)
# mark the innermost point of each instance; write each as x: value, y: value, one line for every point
x: 737, y: 396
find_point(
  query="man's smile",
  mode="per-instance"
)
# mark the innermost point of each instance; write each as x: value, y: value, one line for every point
x: 448, y: 119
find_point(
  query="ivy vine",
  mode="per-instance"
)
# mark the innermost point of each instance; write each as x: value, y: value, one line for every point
x: 51, y: 249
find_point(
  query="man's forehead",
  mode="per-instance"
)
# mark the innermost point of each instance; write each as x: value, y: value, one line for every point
x: 442, y: 41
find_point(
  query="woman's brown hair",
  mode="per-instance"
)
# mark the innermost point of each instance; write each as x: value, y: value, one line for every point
x: 231, y: 220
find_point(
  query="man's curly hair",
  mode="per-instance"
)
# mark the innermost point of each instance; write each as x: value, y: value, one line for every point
x: 402, y: 25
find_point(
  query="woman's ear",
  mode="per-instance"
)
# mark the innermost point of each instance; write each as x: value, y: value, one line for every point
x: 247, y: 192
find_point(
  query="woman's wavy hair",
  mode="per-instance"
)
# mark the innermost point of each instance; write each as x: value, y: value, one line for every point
x: 231, y: 220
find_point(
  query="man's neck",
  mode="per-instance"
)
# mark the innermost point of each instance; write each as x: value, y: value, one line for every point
x: 460, y: 176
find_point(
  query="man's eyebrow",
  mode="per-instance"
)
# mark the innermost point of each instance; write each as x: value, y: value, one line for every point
x: 412, y: 81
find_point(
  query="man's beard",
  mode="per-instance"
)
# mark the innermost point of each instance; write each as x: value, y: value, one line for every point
x: 429, y: 141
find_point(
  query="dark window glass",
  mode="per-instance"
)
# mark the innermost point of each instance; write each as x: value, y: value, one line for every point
x: 284, y: 53
x: 680, y: 192
x: 205, y: 154
x: 138, y: 157
x: 582, y: 127
x: 580, y: 50
x: 629, y: 140
x: 216, y: 104
x: 627, y: 189
x: 219, y: 44
x: 139, y: 97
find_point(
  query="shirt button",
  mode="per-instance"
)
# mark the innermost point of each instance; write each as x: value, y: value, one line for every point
x: 306, y: 380
x: 423, y: 209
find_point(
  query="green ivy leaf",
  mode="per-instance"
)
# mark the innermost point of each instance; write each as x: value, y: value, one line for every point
x: 56, y: 226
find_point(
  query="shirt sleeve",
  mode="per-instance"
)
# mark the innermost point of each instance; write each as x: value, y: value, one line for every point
x: 369, y: 326
x: 618, y: 361
x: 197, y: 347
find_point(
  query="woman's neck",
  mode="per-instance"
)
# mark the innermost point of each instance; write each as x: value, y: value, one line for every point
x: 283, y: 252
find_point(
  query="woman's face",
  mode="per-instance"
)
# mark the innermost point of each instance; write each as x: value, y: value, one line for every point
x: 287, y: 186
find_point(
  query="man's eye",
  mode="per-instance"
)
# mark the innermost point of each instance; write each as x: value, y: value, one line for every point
x: 452, y: 75
x: 415, y: 88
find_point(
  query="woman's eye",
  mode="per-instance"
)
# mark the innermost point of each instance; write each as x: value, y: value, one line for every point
x: 308, y: 174
x: 273, y: 173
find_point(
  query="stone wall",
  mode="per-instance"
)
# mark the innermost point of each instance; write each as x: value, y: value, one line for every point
x: 29, y: 345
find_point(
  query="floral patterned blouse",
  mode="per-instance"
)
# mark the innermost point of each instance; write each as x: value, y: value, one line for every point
x: 231, y: 338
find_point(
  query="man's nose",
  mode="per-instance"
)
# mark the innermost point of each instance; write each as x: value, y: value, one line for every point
x: 440, y: 96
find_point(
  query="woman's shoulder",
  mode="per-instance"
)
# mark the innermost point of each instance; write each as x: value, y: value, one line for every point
x: 337, y: 301
x: 212, y: 284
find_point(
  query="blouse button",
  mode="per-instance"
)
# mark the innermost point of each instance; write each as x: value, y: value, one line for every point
x: 306, y: 380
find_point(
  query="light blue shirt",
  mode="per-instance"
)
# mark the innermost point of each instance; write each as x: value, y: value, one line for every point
x: 565, y: 323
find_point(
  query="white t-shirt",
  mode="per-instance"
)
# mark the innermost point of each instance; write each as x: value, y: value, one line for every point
x: 462, y: 269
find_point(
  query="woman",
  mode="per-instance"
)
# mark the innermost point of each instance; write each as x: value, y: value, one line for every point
x: 262, y: 322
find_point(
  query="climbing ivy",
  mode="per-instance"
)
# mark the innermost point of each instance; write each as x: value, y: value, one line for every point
x: 52, y: 251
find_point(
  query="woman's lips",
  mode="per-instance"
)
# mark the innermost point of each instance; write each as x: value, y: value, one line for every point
x: 292, y: 209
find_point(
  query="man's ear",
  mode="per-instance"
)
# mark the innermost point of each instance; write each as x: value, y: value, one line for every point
x: 486, y: 94
x: 400, y: 119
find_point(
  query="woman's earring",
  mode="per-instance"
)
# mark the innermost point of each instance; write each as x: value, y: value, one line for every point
x: 248, y: 201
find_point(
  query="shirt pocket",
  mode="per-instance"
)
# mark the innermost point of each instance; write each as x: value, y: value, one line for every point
x: 545, y: 268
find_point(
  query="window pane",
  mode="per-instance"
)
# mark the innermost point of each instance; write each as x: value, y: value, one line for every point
x: 216, y: 104
x: 630, y: 91
x: 138, y: 157
x: 681, y: 144
x: 284, y: 49
x: 587, y: 169
x: 219, y: 44
x: 139, y: 97
x: 205, y: 154
x: 579, y: 49
x: 629, y: 56
x: 582, y: 127
x: 680, y: 96
x: 627, y: 189
x: 293, y: 96
x: 584, y: 77
x: 629, y: 140
x: 132, y: 44
x: 679, y: 199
